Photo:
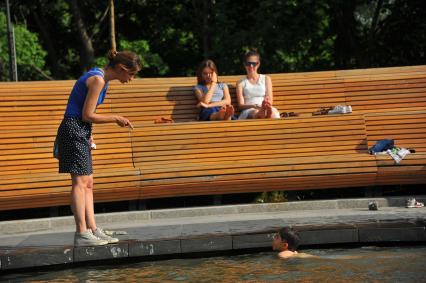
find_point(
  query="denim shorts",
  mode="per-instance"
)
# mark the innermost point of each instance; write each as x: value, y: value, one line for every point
x: 205, y: 113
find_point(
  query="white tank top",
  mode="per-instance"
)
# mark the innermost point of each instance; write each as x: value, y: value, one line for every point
x: 254, y: 93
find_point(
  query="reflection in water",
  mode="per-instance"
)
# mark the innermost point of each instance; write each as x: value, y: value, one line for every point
x: 369, y: 264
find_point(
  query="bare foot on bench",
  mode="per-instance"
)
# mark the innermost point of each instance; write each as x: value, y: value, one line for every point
x: 269, y: 111
x: 229, y: 112
x: 260, y: 114
x: 265, y: 111
x: 220, y: 115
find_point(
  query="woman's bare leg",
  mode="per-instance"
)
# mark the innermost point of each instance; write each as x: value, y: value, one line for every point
x: 90, y: 210
x: 82, y: 202
x: 78, y: 203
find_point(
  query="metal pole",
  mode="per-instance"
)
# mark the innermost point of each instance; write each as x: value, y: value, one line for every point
x: 12, y: 51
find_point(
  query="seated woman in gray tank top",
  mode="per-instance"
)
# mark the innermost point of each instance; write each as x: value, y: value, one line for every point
x: 214, y: 100
x: 254, y: 92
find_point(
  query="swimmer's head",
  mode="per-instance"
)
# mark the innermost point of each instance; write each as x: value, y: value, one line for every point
x: 286, y: 239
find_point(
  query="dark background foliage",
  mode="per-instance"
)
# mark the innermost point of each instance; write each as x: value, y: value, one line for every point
x: 173, y: 36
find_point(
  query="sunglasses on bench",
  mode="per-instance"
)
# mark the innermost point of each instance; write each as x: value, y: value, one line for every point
x: 252, y: 64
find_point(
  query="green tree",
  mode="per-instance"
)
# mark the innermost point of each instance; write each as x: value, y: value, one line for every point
x: 378, y: 33
x: 30, y: 55
x: 173, y: 36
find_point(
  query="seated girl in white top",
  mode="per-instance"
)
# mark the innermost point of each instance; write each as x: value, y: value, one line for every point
x: 254, y: 92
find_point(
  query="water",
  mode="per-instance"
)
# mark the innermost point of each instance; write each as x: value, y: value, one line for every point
x: 369, y: 264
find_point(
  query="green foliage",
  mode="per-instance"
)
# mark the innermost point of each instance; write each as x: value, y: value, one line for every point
x: 30, y: 56
x: 173, y: 36
x: 151, y: 62
x: 275, y: 196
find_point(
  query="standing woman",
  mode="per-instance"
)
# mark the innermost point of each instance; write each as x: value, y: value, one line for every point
x: 74, y: 139
x: 254, y: 92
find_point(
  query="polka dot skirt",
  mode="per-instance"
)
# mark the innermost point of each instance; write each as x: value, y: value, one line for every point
x: 74, y: 152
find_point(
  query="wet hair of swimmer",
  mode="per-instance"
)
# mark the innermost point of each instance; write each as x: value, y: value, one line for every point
x: 290, y: 237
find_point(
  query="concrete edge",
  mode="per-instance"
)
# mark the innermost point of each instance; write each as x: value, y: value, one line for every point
x: 58, y: 223
x: 399, y: 231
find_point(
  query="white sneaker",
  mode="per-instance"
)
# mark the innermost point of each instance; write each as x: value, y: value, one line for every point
x: 338, y: 109
x: 348, y: 109
x: 88, y: 239
x: 101, y: 235
x: 403, y: 152
x: 395, y: 156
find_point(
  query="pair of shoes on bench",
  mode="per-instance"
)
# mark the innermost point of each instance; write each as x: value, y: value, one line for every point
x: 163, y: 120
x: 289, y: 114
x: 341, y: 109
x: 338, y: 109
x: 413, y: 203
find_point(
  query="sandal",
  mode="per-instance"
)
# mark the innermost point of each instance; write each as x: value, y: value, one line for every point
x: 323, y: 111
x: 289, y: 114
x: 163, y: 120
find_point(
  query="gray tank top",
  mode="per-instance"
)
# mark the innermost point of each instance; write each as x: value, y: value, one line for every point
x: 218, y: 92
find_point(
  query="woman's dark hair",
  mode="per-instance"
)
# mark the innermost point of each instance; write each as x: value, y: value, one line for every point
x: 128, y: 59
x: 251, y: 52
x: 290, y: 237
x: 205, y: 64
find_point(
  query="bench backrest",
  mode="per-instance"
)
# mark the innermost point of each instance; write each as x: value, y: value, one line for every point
x: 407, y: 129
x: 144, y: 100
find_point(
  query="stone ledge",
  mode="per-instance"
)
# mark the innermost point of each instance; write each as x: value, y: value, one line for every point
x: 34, y: 257
x: 314, y: 227
x: 119, y: 250
x: 135, y: 217
x: 310, y: 235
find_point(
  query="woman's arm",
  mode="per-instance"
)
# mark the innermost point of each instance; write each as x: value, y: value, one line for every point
x: 95, y: 85
x: 269, y: 91
x: 199, y: 95
x: 206, y: 98
x: 226, y: 98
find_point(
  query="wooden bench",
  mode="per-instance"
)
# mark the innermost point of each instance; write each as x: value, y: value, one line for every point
x: 386, y: 89
x: 367, y: 90
x: 196, y: 158
x: 400, y: 89
x: 30, y: 173
x: 36, y: 105
x: 408, y: 129
x: 246, y: 156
